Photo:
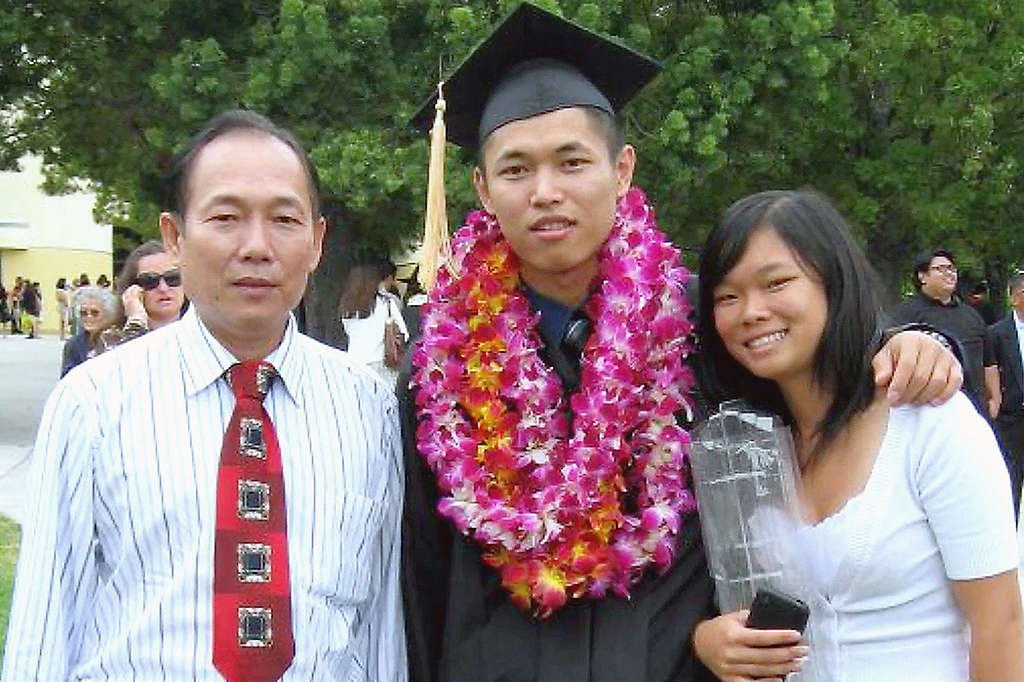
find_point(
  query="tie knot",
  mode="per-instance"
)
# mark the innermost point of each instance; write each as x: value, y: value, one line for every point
x: 251, y: 379
x: 576, y: 334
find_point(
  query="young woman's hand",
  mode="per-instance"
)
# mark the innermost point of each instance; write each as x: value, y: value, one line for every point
x: 736, y: 653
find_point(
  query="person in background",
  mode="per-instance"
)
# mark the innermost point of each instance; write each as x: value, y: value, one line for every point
x: 1007, y: 341
x: 73, y: 321
x: 60, y: 295
x: 937, y: 304
x: 98, y: 310
x: 151, y: 293
x: 978, y: 299
x: 364, y: 310
x: 31, y: 306
x: 102, y: 281
x: 388, y: 278
x: 908, y: 545
x: 81, y: 281
x: 5, y: 311
x: 16, y: 293
x: 415, y: 297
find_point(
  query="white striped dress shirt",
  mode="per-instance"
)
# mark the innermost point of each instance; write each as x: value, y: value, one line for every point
x: 115, y: 576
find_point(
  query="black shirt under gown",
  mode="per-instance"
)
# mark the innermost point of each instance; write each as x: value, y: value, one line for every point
x: 461, y: 626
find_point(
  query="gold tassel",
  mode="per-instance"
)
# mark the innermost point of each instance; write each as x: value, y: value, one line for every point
x: 435, y: 230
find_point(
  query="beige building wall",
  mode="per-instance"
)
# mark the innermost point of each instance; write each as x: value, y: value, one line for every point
x: 46, y: 267
x: 44, y: 238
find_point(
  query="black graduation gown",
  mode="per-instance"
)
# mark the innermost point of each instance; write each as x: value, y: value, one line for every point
x: 461, y: 626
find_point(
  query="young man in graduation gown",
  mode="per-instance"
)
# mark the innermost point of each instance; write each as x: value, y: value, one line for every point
x: 550, y: 532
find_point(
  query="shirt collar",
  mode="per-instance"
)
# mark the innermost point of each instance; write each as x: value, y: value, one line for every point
x: 554, y: 317
x: 1016, y: 320
x: 205, y: 359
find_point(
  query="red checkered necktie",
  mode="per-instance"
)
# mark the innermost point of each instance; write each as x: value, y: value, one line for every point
x: 252, y: 610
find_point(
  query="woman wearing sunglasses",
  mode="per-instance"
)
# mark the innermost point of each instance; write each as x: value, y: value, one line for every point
x: 908, y: 541
x: 150, y: 288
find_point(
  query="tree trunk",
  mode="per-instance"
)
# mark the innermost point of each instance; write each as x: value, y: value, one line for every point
x: 321, y: 301
x: 997, y: 273
x: 891, y: 252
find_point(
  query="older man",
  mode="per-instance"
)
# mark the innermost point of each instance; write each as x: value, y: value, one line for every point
x: 221, y: 498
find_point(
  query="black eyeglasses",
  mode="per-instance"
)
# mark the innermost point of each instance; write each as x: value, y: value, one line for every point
x: 151, y: 280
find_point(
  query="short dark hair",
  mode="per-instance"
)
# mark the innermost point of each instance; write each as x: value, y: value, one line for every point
x: 387, y: 268
x: 176, y: 182
x: 1016, y: 281
x: 924, y: 262
x: 820, y: 240
x: 130, y: 269
x: 608, y: 127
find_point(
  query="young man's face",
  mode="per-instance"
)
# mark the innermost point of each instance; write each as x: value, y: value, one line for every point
x: 939, y: 280
x: 552, y: 183
x: 248, y: 239
x: 1017, y: 300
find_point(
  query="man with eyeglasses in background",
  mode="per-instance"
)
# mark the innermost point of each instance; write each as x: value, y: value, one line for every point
x: 938, y: 304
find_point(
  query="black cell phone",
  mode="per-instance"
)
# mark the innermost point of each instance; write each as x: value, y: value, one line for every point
x: 773, y: 610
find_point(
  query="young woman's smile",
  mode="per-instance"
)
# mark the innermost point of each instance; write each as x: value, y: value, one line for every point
x: 770, y: 311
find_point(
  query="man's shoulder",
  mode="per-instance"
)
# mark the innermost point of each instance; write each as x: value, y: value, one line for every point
x: 973, y: 315
x: 104, y: 384
x: 338, y: 366
x: 907, y: 307
x: 129, y: 360
x: 1004, y: 326
x: 312, y: 350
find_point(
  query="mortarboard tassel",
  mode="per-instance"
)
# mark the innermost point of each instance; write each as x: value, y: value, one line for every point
x: 435, y: 230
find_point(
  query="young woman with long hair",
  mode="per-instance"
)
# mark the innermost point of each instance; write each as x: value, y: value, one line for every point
x: 908, y: 536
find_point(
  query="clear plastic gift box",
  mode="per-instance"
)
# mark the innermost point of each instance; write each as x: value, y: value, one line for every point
x: 744, y: 469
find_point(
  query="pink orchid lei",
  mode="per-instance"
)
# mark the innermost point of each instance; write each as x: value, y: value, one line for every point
x: 550, y: 508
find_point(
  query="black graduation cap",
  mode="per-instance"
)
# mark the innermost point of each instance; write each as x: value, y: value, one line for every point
x: 533, y: 63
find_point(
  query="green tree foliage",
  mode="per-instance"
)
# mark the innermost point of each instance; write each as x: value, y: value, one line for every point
x: 908, y: 113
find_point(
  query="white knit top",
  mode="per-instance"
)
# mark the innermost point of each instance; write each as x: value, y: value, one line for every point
x: 935, y: 508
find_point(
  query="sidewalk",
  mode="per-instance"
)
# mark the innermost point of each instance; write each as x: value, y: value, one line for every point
x: 30, y: 368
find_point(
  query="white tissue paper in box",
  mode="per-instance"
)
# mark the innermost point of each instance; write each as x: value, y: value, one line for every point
x: 744, y: 470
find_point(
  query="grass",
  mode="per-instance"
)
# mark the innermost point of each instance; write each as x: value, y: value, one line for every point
x: 10, y: 534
